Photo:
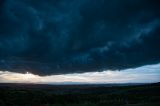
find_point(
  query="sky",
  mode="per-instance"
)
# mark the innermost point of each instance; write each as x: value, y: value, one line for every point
x: 59, y: 38
x: 146, y: 74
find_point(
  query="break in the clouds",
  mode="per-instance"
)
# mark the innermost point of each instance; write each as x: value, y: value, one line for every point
x: 145, y: 74
x: 69, y: 36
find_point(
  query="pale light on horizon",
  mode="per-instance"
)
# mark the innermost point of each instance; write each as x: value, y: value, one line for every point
x: 144, y: 74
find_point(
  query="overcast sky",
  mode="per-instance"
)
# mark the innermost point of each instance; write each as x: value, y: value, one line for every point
x: 62, y: 37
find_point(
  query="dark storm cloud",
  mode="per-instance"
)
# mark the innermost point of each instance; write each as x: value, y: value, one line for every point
x: 69, y: 36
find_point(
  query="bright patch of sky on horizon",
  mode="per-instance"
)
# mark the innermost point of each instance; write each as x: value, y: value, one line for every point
x: 144, y: 74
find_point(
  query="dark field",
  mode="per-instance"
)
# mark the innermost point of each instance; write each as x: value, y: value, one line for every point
x: 79, y: 95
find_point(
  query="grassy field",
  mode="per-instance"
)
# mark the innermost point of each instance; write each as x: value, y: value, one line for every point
x: 79, y: 95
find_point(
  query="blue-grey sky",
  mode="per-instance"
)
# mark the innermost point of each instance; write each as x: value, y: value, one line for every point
x: 58, y: 38
x: 144, y: 74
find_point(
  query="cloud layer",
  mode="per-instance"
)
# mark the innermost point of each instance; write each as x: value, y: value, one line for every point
x: 70, y: 36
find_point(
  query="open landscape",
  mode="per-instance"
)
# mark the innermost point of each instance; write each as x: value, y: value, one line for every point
x: 79, y: 52
x: 80, y: 95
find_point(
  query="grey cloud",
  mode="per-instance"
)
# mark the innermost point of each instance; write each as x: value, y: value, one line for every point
x: 57, y: 37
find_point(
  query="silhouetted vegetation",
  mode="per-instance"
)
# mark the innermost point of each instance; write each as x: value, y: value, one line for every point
x: 82, y: 95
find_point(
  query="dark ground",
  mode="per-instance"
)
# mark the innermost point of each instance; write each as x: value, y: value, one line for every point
x: 79, y: 95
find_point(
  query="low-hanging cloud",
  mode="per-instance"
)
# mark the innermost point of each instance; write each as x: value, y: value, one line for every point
x: 69, y: 36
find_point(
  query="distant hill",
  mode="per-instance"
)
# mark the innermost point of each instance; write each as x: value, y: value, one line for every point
x: 70, y: 85
x: 78, y: 88
x: 12, y: 94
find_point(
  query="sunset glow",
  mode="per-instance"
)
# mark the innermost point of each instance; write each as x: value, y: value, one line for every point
x: 145, y: 74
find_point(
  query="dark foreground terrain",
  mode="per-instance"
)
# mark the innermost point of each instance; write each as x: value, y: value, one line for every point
x: 79, y: 95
